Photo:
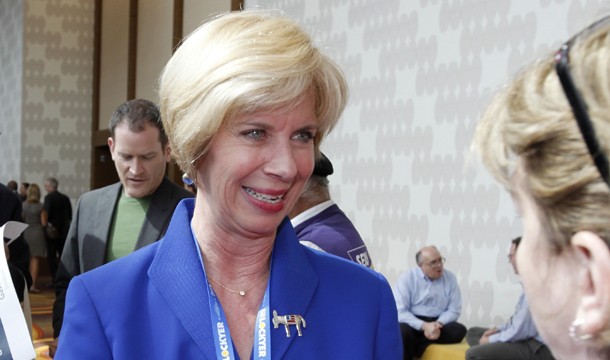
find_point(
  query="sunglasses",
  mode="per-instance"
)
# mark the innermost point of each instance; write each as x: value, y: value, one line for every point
x: 577, y: 103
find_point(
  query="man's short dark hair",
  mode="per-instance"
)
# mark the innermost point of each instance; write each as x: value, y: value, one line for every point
x: 516, y: 241
x: 137, y: 114
x: 12, y: 185
x: 52, y: 182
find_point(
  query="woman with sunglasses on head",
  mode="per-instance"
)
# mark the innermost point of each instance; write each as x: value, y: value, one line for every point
x: 546, y: 137
x: 245, y: 100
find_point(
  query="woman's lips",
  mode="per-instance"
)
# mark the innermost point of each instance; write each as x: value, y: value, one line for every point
x: 266, y: 202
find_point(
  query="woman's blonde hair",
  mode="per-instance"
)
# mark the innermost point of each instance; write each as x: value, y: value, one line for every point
x: 33, y: 193
x: 238, y: 63
x: 531, y: 119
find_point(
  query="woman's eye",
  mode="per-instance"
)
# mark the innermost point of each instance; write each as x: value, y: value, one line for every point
x: 256, y: 134
x: 304, y: 136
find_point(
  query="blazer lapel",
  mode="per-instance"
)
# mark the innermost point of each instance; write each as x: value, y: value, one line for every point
x: 177, y: 273
x: 95, y: 252
x: 293, y: 284
x: 157, y: 216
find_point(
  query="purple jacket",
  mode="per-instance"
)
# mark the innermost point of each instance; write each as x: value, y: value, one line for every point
x: 334, y: 233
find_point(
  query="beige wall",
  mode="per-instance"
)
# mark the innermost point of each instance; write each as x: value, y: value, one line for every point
x: 155, y: 27
x: 114, y: 57
x: 11, y: 65
x: 196, y: 11
x: 154, y: 46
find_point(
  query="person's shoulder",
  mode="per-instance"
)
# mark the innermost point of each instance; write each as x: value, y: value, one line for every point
x: 8, y: 194
x: 411, y: 273
x: 52, y: 195
x: 88, y: 199
x: 448, y: 274
x: 109, y: 189
x: 62, y: 195
x: 341, y: 268
x: 330, y: 227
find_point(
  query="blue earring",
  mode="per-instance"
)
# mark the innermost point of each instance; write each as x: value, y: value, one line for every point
x: 187, y: 180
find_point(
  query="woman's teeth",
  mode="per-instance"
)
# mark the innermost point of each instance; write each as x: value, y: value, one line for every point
x: 266, y: 198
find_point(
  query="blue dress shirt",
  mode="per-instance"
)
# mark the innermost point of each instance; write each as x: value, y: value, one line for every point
x: 416, y: 294
x: 520, y: 326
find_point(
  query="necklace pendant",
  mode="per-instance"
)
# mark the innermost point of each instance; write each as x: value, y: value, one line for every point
x: 242, y: 293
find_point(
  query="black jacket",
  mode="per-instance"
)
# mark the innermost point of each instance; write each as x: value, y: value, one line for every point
x: 19, y: 261
x: 85, y: 247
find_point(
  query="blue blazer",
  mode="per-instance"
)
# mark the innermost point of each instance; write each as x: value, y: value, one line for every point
x: 153, y: 304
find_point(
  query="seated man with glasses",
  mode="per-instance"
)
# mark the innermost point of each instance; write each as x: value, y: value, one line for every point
x: 429, y: 303
x: 516, y: 339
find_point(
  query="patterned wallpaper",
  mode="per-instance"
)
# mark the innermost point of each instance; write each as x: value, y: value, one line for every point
x: 421, y: 72
x: 57, y: 93
x: 11, y: 58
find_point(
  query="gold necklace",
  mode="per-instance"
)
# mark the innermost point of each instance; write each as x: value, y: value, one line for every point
x: 241, y: 292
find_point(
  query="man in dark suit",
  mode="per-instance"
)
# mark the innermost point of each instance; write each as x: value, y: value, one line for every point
x: 59, y: 211
x: 118, y: 219
x: 18, y: 251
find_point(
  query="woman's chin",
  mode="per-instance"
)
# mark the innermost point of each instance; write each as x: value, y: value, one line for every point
x: 260, y: 224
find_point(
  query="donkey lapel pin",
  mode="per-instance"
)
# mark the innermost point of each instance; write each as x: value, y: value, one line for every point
x: 289, y: 320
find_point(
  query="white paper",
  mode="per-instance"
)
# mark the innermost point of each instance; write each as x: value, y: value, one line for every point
x: 13, y: 328
x: 12, y: 230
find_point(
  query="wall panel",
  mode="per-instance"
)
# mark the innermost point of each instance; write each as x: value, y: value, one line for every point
x: 155, y: 24
x: 113, y: 58
x: 11, y: 65
x: 195, y: 12
x: 57, y: 93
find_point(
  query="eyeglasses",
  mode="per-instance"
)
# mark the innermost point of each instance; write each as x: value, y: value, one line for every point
x: 436, y: 262
x: 577, y: 103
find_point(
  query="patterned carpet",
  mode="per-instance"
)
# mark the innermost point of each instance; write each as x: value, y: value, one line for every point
x: 42, y: 314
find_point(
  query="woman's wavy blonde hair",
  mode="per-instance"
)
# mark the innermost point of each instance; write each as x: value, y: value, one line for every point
x: 531, y: 119
x: 33, y: 194
x: 238, y: 63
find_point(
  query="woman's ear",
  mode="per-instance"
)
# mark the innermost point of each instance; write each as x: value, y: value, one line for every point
x: 168, y: 153
x: 593, y: 257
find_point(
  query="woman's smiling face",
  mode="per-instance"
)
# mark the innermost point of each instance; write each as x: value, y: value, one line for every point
x: 256, y: 168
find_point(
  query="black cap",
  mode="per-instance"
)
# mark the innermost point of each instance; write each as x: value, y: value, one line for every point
x: 323, y: 166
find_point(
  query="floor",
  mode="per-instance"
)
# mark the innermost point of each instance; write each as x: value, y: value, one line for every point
x: 42, y: 315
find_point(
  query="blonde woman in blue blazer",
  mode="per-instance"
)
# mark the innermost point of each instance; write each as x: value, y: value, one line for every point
x: 246, y: 101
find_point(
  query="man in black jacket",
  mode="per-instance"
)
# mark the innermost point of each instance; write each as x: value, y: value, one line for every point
x: 18, y: 250
x: 59, y: 210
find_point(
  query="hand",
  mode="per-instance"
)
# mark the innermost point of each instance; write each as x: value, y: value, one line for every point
x: 485, y: 338
x: 432, y: 330
x: 6, y: 251
x: 491, y: 332
x: 53, y: 348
